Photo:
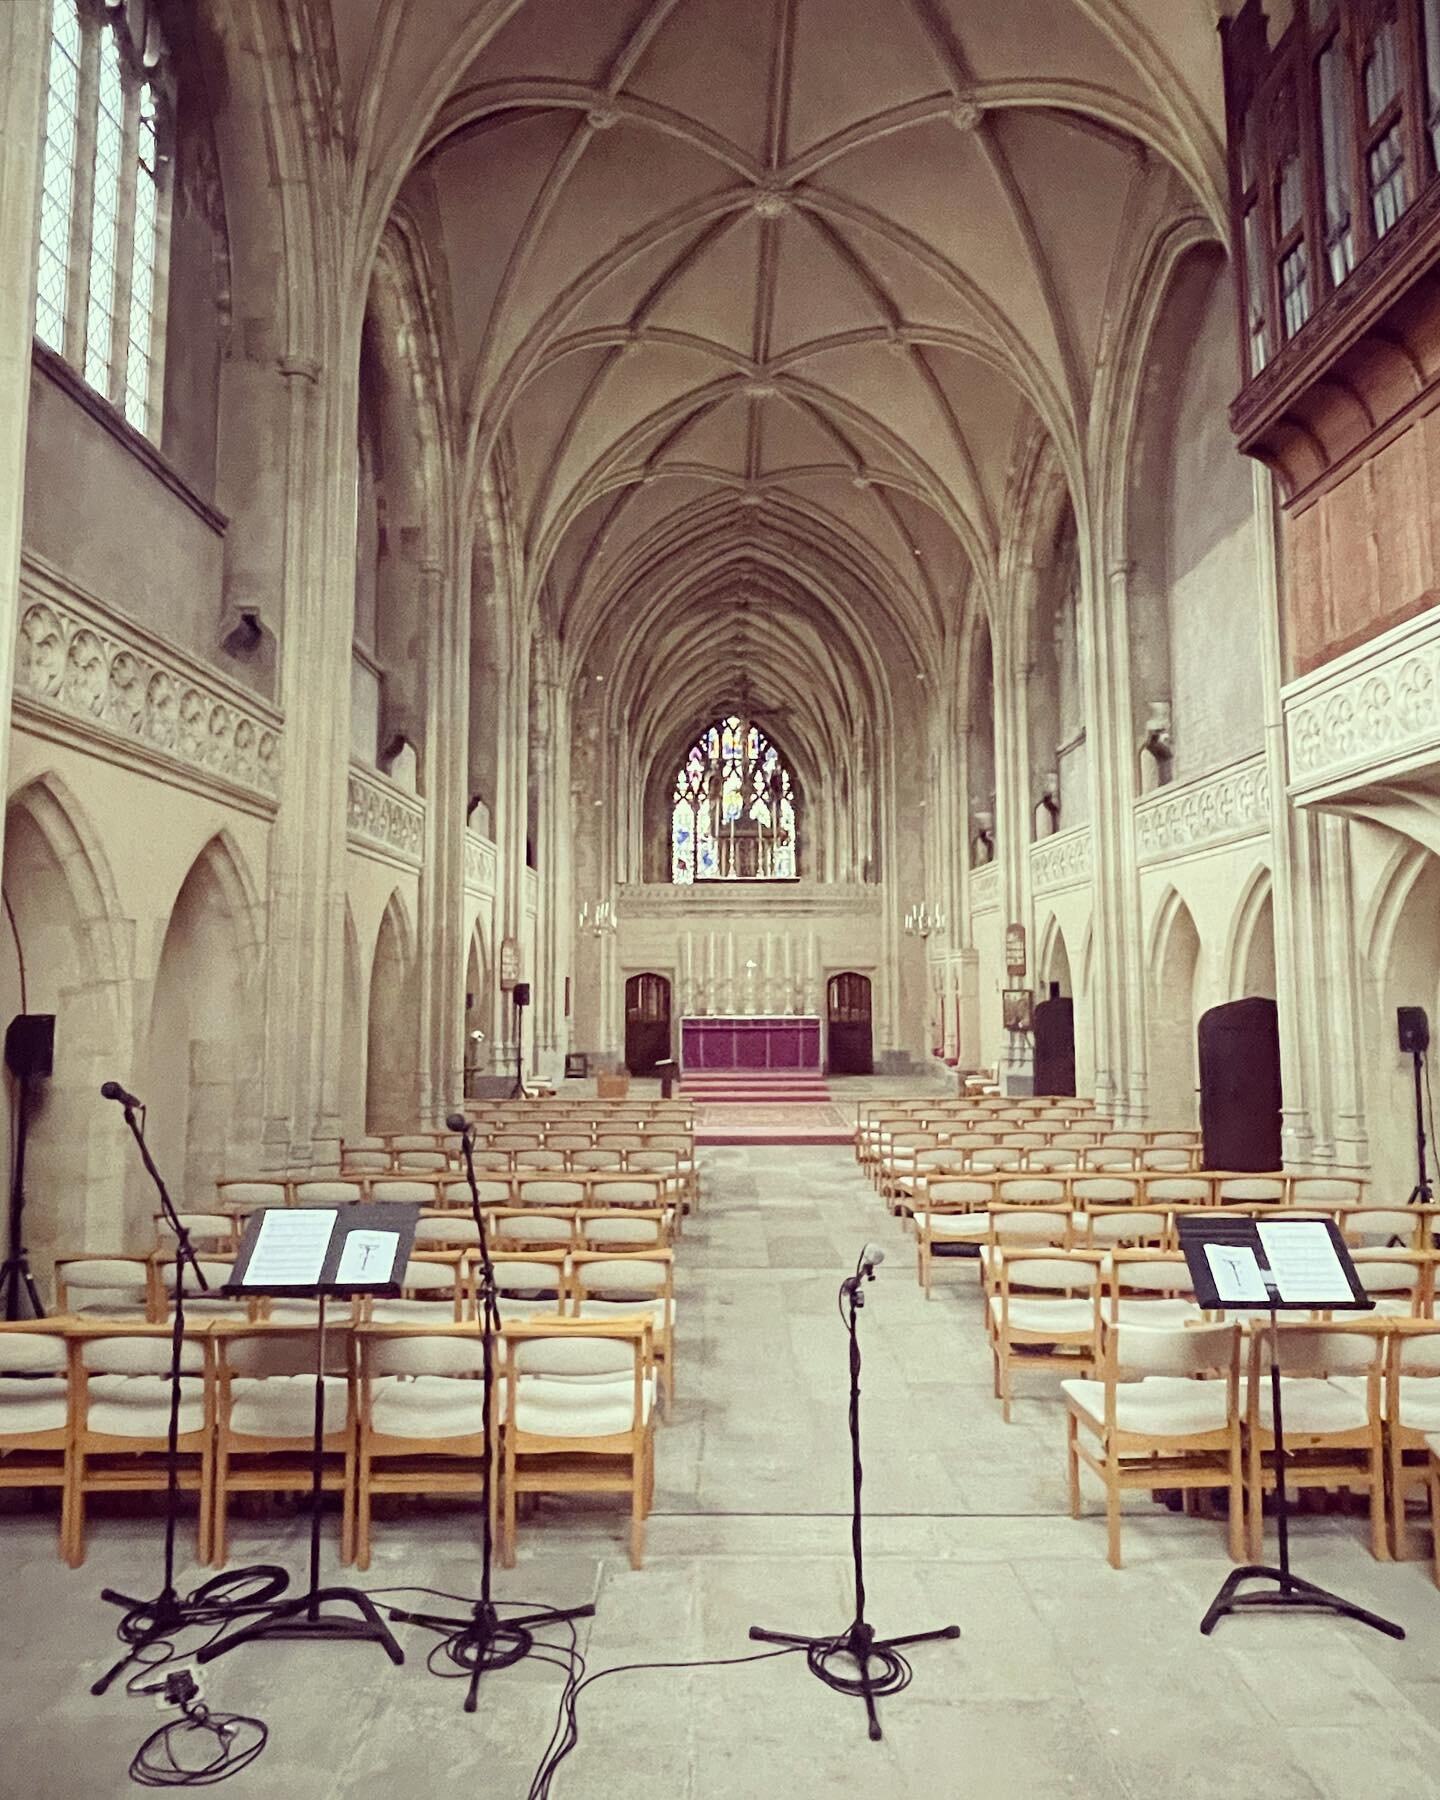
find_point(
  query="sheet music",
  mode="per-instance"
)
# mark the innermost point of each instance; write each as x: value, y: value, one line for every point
x: 368, y: 1256
x: 1237, y: 1273
x: 291, y: 1246
x: 1302, y: 1258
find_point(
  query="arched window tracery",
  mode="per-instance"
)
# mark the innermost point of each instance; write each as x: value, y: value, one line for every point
x: 733, y: 809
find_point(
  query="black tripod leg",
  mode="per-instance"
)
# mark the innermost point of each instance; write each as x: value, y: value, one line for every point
x: 919, y: 1637
x: 784, y: 1637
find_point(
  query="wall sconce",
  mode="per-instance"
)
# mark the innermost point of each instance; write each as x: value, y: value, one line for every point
x: 599, y: 920
x: 924, y: 919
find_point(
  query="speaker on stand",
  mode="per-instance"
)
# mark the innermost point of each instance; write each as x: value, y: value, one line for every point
x: 1413, y: 1028
x: 30, y: 1057
x: 520, y: 997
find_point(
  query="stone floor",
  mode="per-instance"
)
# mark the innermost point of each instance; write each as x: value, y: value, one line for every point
x: 1071, y: 1679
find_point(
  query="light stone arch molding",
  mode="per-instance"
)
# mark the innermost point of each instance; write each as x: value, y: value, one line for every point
x: 224, y: 859
x: 86, y: 676
x: 1244, y: 919
x: 107, y: 938
x: 1172, y: 905
x: 1404, y: 866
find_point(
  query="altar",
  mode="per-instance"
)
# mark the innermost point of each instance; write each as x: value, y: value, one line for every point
x: 775, y: 1042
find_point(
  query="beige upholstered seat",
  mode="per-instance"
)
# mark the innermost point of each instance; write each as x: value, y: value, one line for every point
x: 35, y: 1417
x: 1150, y: 1422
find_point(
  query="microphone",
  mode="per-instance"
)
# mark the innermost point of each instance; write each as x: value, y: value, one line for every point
x: 112, y: 1090
x: 457, y: 1121
x: 871, y: 1258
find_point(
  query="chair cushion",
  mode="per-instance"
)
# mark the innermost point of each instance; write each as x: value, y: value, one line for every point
x: 1315, y: 1407
x: 427, y: 1406
x: 1419, y: 1401
x: 138, y: 1406
x: 653, y: 1309
x: 283, y: 1406
x: 1035, y: 1317
x: 961, y: 1228
x: 561, y: 1406
x: 1159, y: 1406
x: 32, y: 1406
x: 1167, y: 1313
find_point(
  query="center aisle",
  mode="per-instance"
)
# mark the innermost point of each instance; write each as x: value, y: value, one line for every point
x: 756, y: 1276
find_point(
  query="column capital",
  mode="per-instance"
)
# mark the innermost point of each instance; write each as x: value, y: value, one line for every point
x: 300, y: 368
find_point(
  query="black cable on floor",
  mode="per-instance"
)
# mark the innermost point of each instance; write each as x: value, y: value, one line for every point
x: 200, y: 1748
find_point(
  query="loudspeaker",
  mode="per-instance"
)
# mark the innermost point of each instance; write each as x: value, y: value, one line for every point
x: 30, y: 1045
x: 521, y: 993
x: 1414, y: 1029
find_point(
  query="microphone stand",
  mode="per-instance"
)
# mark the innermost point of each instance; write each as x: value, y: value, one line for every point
x: 150, y: 1620
x: 1422, y: 1193
x: 485, y: 1641
x: 857, y: 1642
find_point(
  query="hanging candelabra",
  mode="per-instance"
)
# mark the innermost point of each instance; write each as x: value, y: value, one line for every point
x: 923, y: 920
x: 599, y: 918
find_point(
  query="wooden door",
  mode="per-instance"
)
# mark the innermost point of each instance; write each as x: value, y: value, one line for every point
x: 647, y: 1023
x: 1055, y: 1046
x: 852, y: 1047
x: 1240, y: 1085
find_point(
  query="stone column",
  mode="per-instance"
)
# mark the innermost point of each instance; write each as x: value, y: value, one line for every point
x: 1117, y: 998
x: 512, y: 784
x: 306, y: 895
x: 1012, y: 801
x: 445, y: 605
x: 24, y: 43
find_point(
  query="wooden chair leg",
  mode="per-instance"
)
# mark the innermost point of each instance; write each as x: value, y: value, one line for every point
x: 1072, y: 1463
x: 1235, y: 1528
x: 1379, y: 1532
x: 1112, y: 1512
x: 637, y: 1510
x: 363, y: 1510
x: 1256, y: 1511
x: 1433, y: 1482
x: 220, y: 1512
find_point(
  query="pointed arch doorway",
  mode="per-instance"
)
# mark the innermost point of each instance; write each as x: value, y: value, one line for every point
x: 647, y: 1022
x: 851, y: 1041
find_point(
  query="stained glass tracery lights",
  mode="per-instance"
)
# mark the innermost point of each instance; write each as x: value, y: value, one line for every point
x: 57, y: 199
x: 733, y: 809
x: 102, y: 213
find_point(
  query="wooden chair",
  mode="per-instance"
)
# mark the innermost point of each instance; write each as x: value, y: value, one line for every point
x: 1152, y: 1287
x: 532, y: 1284
x: 1330, y: 1393
x: 446, y: 1231
x: 606, y: 1285
x: 265, y: 1422
x: 528, y: 1228
x: 327, y: 1193
x: 432, y: 1287
x: 1412, y: 1419
x: 950, y: 1211
x: 1150, y: 1421
x: 35, y: 1417
x: 415, y: 1162
x: 1251, y: 1190
x: 366, y: 1162
x: 200, y: 1303
x: 120, y: 1424
x: 206, y: 1230
x: 421, y: 1422
x: 629, y: 1229
x: 1123, y: 1228
x: 1045, y: 1313
x: 578, y: 1417
x: 105, y: 1287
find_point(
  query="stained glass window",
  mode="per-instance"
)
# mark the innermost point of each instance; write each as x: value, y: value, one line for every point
x: 733, y: 809
x: 57, y: 197
x: 101, y: 206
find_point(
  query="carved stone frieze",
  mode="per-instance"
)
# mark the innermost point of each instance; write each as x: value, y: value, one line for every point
x: 662, y: 900
x: 985, y: 888
x: 1368, y: 716
x: 379, y: 816
x: 1197, y: 815
x: 1061, y: 861
x: 480, y: 863
x: 122, y: 690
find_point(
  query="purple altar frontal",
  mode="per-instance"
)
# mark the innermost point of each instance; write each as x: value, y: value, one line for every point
x: 750, y: 1043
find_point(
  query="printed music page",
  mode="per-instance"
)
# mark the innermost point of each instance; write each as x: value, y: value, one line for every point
x: 290, y: 1249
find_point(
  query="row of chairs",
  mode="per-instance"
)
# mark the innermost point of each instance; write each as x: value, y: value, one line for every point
x: 611, y: 1187
x: 445, y: 1228
x: 908, y: 1151
x: 85, y: 1410
x: 520, y: 1149
x: 1165, y: 1407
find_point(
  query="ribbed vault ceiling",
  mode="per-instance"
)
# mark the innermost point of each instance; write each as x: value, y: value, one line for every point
x: 757, y: 302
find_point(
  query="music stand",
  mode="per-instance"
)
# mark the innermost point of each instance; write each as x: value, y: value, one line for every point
x: 1275, y: 1265
x: 321, y: 1253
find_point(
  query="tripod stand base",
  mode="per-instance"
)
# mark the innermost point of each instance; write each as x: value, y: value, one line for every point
x: 168, y: 1613
x: 862, y: 1647
x: 1291, y: 1592
x: 485, y: 1642
x: 304, y: 1618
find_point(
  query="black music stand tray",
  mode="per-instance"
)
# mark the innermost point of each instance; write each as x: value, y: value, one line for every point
x: 1321, y: 1278
x: 290, y: 1262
